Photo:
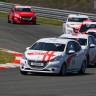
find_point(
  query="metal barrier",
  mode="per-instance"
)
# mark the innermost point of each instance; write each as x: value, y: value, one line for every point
x: 47, y: 12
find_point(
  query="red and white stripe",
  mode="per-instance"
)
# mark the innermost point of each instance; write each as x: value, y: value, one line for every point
x: 14, y: 63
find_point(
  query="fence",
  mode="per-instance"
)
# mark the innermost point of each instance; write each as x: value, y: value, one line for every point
x: 47, y: 12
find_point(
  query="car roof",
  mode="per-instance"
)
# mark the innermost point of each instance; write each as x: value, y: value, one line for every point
x: 89, y: 22
x: 78, y: 15
x: 85, y: 36
x: 20, y: 6
x: 91, y: 30
x: 55, y: 40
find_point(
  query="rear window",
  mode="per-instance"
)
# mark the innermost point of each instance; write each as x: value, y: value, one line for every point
x: 48, y: 46
x: 73, y: 19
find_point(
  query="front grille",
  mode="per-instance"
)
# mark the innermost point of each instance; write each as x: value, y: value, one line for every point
x: 26, y: 18
x: 37, y: 64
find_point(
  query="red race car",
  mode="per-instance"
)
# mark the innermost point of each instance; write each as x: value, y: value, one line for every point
x: 21, y: 14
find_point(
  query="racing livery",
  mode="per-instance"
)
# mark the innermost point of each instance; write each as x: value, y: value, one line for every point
x: 53, y: 55
x: 21, y: 14
x: 86, y: 25
x: 87, y: 43
x: 73, y: 21
x: 91, y: 31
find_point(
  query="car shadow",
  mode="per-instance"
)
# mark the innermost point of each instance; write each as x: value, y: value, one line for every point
x: 92, y: 66
x: 25, y: 24
x: 56, y: 75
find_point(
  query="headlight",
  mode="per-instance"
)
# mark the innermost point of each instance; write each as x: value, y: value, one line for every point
x: 57, y: 58
x: 24, y: 57
x: 17, y: 15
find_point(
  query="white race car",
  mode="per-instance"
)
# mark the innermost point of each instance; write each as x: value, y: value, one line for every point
x: 53, y: 55
x: 87, y: 43
x: 86, y: 25
x: 73, y: 21
x: 92, y: 31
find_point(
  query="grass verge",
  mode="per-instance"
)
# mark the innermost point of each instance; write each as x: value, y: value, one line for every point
x: 6, y: 57
x: 41, y: 20
x: 3, y: 14
x: 49, y: 21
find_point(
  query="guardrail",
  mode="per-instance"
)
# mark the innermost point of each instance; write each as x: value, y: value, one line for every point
x: 47, y: 12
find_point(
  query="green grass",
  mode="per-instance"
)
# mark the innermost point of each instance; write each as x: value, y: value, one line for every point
x: 3, y: 14
x: 41, y: 20
x: 49, y: 21
x: 6, y: 57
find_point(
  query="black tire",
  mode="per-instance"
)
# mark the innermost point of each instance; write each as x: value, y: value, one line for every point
x: 95, y: 61
x: 23, y: 72
x: 9, y: 21
x: 34, y: 22
x: 88, y: 62
x: 12, y: 21
x: 83, y: 68
x: 63, y: 69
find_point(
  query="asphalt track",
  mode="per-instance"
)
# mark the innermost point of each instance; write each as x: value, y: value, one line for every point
x: 12, y: 83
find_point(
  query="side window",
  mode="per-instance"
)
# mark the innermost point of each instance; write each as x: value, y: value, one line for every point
x: 77, y: 47
x: 70, y: 46
x: 90, y: 40
x: 12, y: 9
x: 93, y: 39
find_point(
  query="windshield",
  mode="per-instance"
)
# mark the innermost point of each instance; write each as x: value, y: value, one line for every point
x: 85, y: 27
x: 48, y: 46
x: 83, y: 42
x: 24, y: 9
x: 74, y: 19
x: 92, y: 33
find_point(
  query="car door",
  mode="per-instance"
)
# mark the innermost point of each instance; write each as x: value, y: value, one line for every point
x: 92, y: 51
x: 79, y: 55
x: 71, y: 57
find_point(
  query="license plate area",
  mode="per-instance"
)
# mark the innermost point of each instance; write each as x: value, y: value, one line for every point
x: 27, y: 19
x: 37, y: 64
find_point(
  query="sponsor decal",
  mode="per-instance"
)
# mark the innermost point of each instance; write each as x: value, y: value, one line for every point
x: 70, y: 58
x: 35, y: 53
x: 47, y: 54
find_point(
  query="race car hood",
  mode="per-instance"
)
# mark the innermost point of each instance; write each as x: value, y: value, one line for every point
x: 25, y: 13
x: 41, y: 55
x: 74, y: 24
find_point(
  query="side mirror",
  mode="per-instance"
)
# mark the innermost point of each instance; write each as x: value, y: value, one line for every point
x: 92, y: 45
x: 71, y: 52
x: 27, y: 48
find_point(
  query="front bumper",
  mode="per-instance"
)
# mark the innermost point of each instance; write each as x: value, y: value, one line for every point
x: 25, y: 19
x: 49, y: 67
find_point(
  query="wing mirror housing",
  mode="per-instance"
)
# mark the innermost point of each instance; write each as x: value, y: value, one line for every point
x: 27, y: 48
x: 71, y: 52
x: 92, y: 45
